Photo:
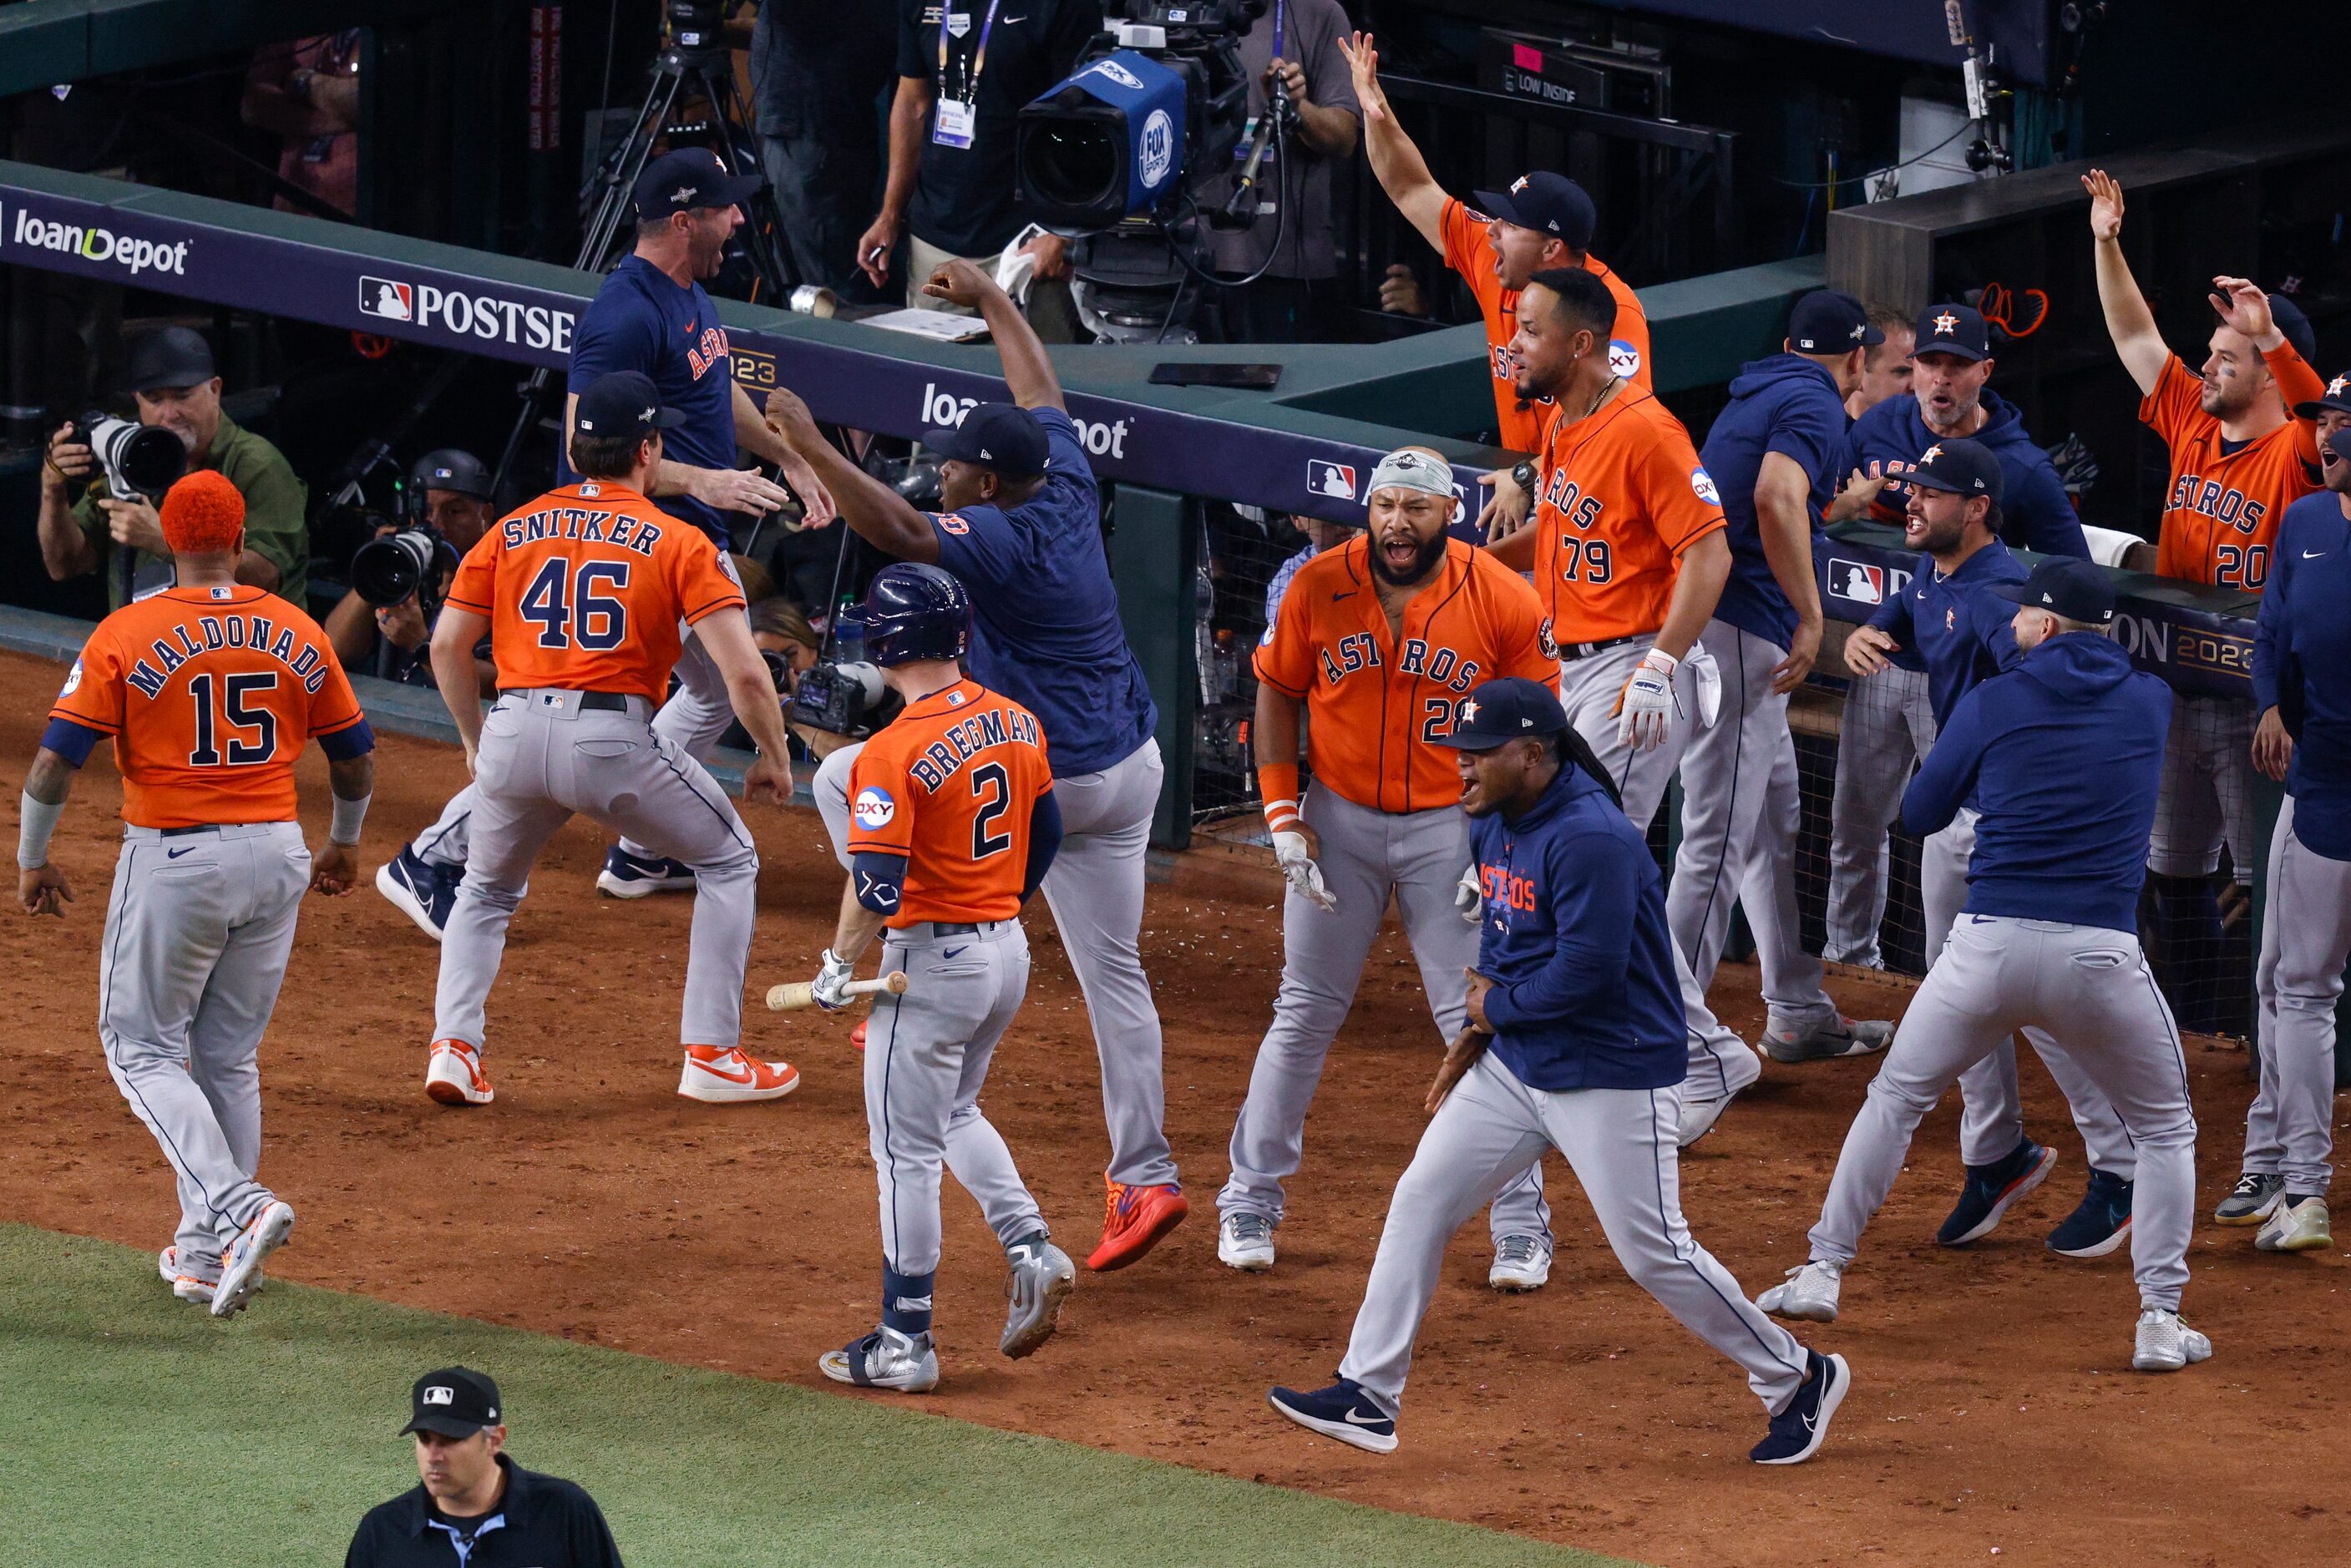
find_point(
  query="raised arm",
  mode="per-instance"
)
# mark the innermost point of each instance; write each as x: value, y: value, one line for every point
x: 1027, y: 369
x: 2128, y: 320
x: 1402, y: 172
x: 874, y: 512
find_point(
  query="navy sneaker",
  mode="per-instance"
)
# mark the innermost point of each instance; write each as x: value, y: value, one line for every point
x: 422, y: 891
x: 1342, y: 1411
x: 1797, y: 1431
x: 2101, y: 1224
x: 1989, y: 1190
x: 627, y: 876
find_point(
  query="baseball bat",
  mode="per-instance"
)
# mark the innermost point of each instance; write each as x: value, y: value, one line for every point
x: 802, y: 993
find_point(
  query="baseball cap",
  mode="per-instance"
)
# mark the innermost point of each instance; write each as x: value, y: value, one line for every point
x: 175, y: 357
x: 454, y: 1402
x: 2078, y: 590
x: 688, y: 178
x: 1954, y: 329
x: 1962, y: 466
x: 2335, y: 400
x: 1551, y: 204
x: 623, y: 403
x: 1829, y: 321
x: 1005, y: 437
x: 451, y: 467
x: 2295, y: 325
x: 1508, y: 709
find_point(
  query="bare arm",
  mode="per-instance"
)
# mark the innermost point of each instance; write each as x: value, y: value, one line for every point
x: 453, y: 636
x: 350, y: 626
x: 725, y: 635
x: 855, y: 926
x: 1327, y: 132
x: 1784, y: 516
x: 2128, y: 320
x: 1027, y: 369
x: 66, y: 550
x: 1402, y: 172
x: 42, y: 889
x: 910, y: 110
x: 1277, y: 727
x: 753, y: 434
x: 874, y: 512
x: 1697, y: 586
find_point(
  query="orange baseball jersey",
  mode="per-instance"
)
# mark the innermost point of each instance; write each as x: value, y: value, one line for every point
x: 1623, y: 495
x: 1377, y: 702
x: 584, y: 588
x: 2220, y: 514
x: 209, y: 694
x: 1469, y: 253
x: 950, y: 786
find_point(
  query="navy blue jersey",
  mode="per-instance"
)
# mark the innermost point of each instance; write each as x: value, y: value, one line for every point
x: 2301, y: 666
x: 1789, y: 405
x: 1959, y: 634
x: 1046, y: 630
x: 641, y: 320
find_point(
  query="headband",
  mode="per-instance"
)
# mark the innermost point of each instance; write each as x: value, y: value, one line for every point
x: 1412, y: 469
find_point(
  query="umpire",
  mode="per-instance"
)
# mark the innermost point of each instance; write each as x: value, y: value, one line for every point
x: 475, y: 1507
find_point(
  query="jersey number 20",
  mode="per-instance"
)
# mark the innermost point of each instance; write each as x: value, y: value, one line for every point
x: 237, y: 718
x: 568, y: 611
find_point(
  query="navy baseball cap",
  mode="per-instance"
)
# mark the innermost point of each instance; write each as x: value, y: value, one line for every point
x: 622, y: 403
x: 2295, y: 325
x: 454, y: 1402
x: 175, y: 357
x: 2337, y: 399
x: 1005, y: 437
x: 1548, y: 203
x: 1829, y: 321
x: 688, y: 178
x: 1962, y: 466
x: 1953, y: 329
x: 2078, y: 590
x: 1512, y: 707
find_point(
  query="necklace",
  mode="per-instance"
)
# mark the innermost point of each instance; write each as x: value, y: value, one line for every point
x: 1605, y: 388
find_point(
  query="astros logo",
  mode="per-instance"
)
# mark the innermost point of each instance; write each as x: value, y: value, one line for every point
x: 2335, y: 388
x: 875, y: 808
x: 1930, y: 455
x: 1950, y: 622
x: 1945, y: 325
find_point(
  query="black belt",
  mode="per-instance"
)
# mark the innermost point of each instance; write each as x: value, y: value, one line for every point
x: 963, y: 928
x: 1574, y: 650
x: 184, y: 832
x: 590, y: 702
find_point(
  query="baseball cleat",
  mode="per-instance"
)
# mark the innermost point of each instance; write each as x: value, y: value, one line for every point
x: 2295, y: 1226
x: 1041, y: 1279
x: 2250, y: 1201
x: 1798, y: 1431
x: 1843, y: 1037
x: 725, y: 1075
x: 1245, y: 1242
x: 1133, y: 1220
x: 242, y: 1259
x: 1521, y: 1263
x: 454, y: 1075
x: 885, y: 1359
x: 2166, y: 1343
x: 1809, y: 1295
x: 2101, y: 1224
x: 1705, y: 1096
x: 627, y: 876
x: 187, y: 1287
x: 422, y: 891
x: 1342, y: 1411
x: 1991, y: 1189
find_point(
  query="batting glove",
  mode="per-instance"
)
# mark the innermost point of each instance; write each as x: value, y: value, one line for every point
x: 1305, y: 877
x: 830, y: 981
x: 1647, y: 709
x: 1470, y: 898
x: 1708, y: 674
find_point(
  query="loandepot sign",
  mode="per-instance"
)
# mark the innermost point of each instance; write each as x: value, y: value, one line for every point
x: 132, y: 255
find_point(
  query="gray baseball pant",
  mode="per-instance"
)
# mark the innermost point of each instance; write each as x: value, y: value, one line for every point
x: 1888, y: 724
x: 2206, y: 793
x: 2305, y: 941
x: 695, y: 716
x: 1767, y: 890
x: 1996, y: 975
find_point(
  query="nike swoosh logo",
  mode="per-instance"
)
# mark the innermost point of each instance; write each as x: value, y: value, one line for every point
x: 175, y: 853
x: 2311, y: 555
x: 1355, y: 1419
x: 1348, y: 595
x: 950, y: 952
x: 744, y: 1077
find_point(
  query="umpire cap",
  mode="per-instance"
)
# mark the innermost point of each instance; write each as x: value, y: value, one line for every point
x: 454, y: 1402
x: 912, y: 612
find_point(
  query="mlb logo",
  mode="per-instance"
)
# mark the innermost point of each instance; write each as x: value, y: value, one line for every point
x: 1335, y: 480
x: 392, y: 301
x: 437, y: 1395
x: 1858, y: 581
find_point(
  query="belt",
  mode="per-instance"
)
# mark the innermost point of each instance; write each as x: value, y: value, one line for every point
x: 958, y: 929
x: 590, y: 702
x: 185, y: 832
x: 1575, y: 650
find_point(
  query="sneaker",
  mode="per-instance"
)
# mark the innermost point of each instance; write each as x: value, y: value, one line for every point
x: 725, y: 1075
x: 2295, y: 1225
x: 1809, y: 1293
x: 242, y: 1259
x: 2250, y: 1201
x: 1990, y: 1188
x: 1705, y: 1096
x: 2101, y: 1224
x: 1133, y: 1220
x: 188, y: 1287
x: 1342, y: 1411
x: 627, y: 876
x: 2166, y: 1343
x: 857, y: 1035
x: 1521, y: 1263
x: 1245, y: 1242
x: 422, y: 891
x: 885, y: 1359
x: 1841, y: 1037
x: 1041, y: 1279
x: 1798, y: 1431
x: 454, y: 1075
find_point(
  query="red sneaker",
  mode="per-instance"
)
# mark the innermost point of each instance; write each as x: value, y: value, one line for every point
x: 730, y: 1076
x: 454, y: 1075
x: 1134, y: 1219
x: 857, y: 1035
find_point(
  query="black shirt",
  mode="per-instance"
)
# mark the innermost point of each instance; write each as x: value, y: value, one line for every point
x: 963, y: 198
x: 546, y: 1523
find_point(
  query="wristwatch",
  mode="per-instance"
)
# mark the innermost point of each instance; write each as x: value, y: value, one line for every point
x: 1524, y: 474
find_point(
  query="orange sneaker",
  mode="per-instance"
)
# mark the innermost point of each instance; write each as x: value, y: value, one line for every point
x: 454, y: 1076
x: 725, y: 1075
x: 1134, y: 1219
x: 857, y: 1035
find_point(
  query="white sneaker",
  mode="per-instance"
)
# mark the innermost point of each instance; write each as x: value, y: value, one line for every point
x: 1705, y: 1096
x: 1521, y: 1263
x: 2166, y: 1343
x: 241, y: 1260
x: 1245, y: 1242
x: 1809, y: 1295
x: 454, y: 1075
x: 187, y: 1287
x: 885, y: 1359
x: 2295, y: 1226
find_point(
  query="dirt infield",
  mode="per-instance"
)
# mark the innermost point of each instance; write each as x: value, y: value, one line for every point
x: 1993, y: 1410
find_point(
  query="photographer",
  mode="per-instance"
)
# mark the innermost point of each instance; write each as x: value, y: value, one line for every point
x: 451, y: 491
x: 82, y: 527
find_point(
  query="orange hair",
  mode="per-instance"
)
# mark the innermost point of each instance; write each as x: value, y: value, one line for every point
x: 202, y: 515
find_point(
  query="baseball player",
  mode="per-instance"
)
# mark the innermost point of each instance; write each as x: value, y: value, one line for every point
x: 2301, y: 686
x: 1019, y: 525
x: 2060, y: 755
x: 2239, y: 459
x: 209, y: 691
x: 1964, y: 638
x: 1575, y: 1044
x: 1376, y: 643
x: 953, y: 825
x: 583, y: 592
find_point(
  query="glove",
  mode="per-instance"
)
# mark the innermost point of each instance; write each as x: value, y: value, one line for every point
x: 1709, y: 676
x: 1646, y: 708
x: 1470, y: 898
x: 1305, y: 877
x: 829, y: 980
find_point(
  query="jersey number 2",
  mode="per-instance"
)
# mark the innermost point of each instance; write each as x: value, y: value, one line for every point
x: 568, y: 611
x: 992, y: 781
x: 236, y: 717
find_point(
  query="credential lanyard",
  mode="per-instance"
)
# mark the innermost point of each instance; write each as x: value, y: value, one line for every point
x: 978, y: 61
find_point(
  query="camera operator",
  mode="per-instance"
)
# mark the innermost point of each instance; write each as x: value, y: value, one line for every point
x: 453, y: 489
x: 1292, y: 50
x: 817, y: 71
x: 82, y: 529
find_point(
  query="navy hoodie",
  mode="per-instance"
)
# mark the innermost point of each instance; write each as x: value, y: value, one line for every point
x: 2035, y: 512
x: 1957, y: 632
x: 2061, y: 755
x: 1574, y: 940
x: 2301, y: 666
x: 1789, y: 405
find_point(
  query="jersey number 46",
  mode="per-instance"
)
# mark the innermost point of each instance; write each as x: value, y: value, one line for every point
x: 563, y: 602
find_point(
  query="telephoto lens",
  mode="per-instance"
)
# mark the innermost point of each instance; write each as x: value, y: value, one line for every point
x: 387, y: 570
x: 139, y: 459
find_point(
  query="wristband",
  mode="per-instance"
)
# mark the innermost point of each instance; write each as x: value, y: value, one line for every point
x: 349, y: 814
x: 38, y: 821
x: 1658, y: 658
x: 1278, y: 783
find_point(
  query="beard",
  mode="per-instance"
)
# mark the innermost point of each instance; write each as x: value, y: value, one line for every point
x: 1424, y: 563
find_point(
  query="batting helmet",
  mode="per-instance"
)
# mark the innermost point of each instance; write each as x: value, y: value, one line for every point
x: 914, y: 612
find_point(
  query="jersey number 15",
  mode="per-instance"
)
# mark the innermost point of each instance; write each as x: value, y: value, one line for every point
x: 236, y: 718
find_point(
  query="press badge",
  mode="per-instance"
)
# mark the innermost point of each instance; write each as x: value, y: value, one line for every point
x: 955, y: 123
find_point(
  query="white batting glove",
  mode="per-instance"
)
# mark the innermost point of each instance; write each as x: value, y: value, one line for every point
x: 1708, y: 674
x: 830, y: 981
x: 1305, y: 877
x: 1470, y: 898
x: 1645, y: 710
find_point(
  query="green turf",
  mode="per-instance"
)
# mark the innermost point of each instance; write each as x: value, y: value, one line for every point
x: 136, y: 1429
